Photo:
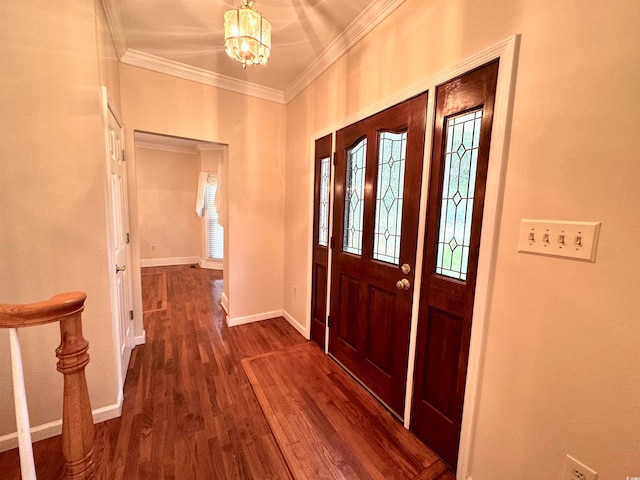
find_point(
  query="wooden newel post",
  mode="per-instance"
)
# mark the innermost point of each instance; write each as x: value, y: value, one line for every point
x: 78, y: 433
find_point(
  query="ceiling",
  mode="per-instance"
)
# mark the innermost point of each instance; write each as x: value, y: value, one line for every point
x: 186, y: 36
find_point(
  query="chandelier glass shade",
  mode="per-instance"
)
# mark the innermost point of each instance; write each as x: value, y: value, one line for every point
x: 247, y: 35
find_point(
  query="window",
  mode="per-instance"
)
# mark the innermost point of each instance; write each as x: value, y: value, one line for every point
x: 391, y: 161
x: 323, y: 220
x: 215, y: 232
x: 461, y: 159
x: 354, y: 198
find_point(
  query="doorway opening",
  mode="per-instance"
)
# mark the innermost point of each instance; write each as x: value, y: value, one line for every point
x: 180, y: 189
x: 170, y: 216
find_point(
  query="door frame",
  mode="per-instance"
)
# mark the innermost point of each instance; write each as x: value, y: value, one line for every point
x: 109, y: 109
x: 506, y: 52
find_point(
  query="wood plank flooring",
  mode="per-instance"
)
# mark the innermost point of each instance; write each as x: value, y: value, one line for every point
x: 189, y: 410
x: 328, y: 427
x: 154, y: 286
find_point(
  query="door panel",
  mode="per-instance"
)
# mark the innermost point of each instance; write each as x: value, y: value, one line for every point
x: 462, y: 136
x: 350, y: 295
x: 322, y: 182
x: 441, y: 360
x: 319, y: 303
x: 119, y: 242
x: 377, y: 193
x: 380, y: 307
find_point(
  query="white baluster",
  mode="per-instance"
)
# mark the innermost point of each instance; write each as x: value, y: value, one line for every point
x: 27, y: 465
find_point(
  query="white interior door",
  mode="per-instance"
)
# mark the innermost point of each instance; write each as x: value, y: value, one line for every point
x: 120, y: 281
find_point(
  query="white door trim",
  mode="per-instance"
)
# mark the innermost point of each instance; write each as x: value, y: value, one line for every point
x: 500, y: 135
x: 507, y: 52
x: 108, y: 109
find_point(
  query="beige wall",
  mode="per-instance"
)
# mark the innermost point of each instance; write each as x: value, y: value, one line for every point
x: 167, y: 185
x: 254, y: 130
x: 53, y: 234
x: 108, y: 60
x: 561, y: 366
x: 210, y: 159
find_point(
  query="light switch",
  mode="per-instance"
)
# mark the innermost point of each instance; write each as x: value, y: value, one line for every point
x: 576, y: 240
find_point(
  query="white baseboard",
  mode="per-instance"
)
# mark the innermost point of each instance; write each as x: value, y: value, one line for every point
x: 141, y: 339
x: 163, y: 262
x: 233, y: 322
x: 107, y: 413
x: 211, y: 264
x: 51, y: 429
x: 304, y: 331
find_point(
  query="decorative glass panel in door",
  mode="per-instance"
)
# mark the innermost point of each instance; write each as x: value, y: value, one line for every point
x: 323, y: 214
x: 354, y: 198
x: 392, y: 148
x: 460, y: 164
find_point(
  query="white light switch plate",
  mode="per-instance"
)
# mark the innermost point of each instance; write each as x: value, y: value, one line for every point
x: 576, y: 240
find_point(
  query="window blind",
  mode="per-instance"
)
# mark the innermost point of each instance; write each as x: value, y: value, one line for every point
x: 215, y: 232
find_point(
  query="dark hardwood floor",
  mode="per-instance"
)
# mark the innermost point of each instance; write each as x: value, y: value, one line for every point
x: 189, y: 411
x: 330, y: 428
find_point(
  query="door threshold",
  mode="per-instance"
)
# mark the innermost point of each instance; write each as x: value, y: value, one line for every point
x: 371, y: 392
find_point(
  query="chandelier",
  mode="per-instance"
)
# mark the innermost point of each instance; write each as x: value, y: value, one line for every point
x: 247, y: 35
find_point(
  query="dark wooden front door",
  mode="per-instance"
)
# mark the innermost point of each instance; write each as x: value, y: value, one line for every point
x: 464, y: 115
x: 322, y: 183
x: 377, y: 195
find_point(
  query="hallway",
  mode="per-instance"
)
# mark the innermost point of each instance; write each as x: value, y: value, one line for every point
x: 189, y: 410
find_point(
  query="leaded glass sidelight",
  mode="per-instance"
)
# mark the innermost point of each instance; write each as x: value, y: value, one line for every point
x: 461, y: 156
x: 391, y: 163
x: 354, y: 198
x: 323, y: 213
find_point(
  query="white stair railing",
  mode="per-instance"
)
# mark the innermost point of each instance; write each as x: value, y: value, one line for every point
x: 27, y: 465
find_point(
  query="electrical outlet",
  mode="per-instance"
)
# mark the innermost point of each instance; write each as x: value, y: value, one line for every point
x: 574, y: 470
x: 295, y: 291
x: 153, y: 247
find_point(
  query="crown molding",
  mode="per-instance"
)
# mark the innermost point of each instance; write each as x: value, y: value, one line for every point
x: 363, y: 24
x: 200, y: 75
x: 167, y: 148
x: 114, y: 20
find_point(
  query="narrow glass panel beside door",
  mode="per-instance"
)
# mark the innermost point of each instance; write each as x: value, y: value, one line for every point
x: 458, y: 187
x: 391, y: 162
x: 320, y: 258
x: 354, y: 198
x: 323, y: 218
